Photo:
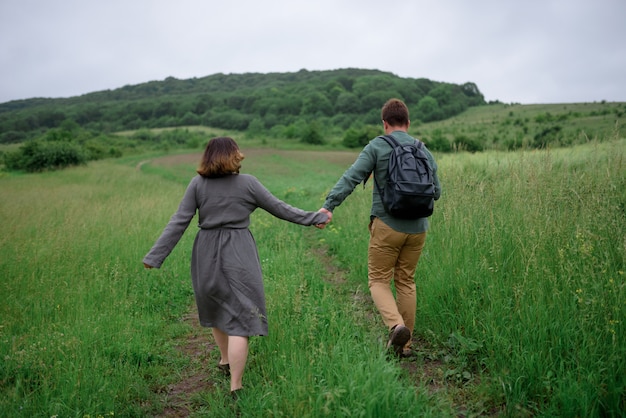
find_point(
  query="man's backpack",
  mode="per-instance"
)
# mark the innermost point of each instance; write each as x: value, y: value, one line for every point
x: 409, y: 192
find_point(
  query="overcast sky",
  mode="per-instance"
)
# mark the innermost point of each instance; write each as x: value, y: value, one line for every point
x: 522, y: 51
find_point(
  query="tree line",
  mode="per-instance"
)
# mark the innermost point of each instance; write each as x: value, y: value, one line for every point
x: 274, y: 104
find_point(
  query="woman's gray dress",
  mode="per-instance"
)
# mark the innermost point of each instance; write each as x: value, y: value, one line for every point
x: 225, y: 267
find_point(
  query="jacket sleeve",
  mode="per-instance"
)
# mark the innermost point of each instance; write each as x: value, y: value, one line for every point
x: 174, y: 230
x: 270, y: 203
x: 359, y: 171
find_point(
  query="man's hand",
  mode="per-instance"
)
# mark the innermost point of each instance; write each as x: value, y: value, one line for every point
x: 330, y: 217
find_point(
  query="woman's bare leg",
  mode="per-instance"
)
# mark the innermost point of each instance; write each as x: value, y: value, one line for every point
x: 221, y: 338
x: 237, y: 355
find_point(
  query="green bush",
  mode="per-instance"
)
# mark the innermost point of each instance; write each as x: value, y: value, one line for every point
x: 229, y: 120
x: 359, y: 137
x: 12, y: 137
x: 38, y: 155
x: 312, y: 134
x: 547, y: 136
x: 428, y: 109
x: 438, y: 142
x: 465, y: 143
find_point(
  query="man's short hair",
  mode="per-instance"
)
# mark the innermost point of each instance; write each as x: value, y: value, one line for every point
x: 395, y: 113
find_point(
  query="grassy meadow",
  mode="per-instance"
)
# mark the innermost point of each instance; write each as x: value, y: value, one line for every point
x: 521, y: 293
x: 516, y: 126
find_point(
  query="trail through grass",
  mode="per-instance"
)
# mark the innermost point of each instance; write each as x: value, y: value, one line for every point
x: 521, y: 294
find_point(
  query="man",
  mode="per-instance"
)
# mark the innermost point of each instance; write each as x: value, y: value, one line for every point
x: 395, y: 244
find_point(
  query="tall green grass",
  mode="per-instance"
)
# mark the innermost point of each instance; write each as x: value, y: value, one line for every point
x: 523, y: 273
x: 324, y: 355
x: 87, y: 332
x: 83, y: 330
x: 317, y: 360
x: 506, y: 127
x: 521, y: 293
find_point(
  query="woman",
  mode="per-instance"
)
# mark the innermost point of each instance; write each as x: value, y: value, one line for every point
x: 225, y: 267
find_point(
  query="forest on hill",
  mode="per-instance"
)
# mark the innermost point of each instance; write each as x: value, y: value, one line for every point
x: 278, y: 104
x: 339, y: 108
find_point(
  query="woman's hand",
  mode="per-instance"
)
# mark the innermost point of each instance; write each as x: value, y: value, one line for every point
x: 330, y: 218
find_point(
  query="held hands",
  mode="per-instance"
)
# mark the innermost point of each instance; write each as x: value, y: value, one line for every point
x: 330, y: 217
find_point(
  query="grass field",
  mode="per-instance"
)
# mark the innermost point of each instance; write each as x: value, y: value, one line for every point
x: 515, y: 126
x: 521, y: 294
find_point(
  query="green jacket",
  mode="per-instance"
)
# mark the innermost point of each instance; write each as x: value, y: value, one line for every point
x: 374, y: 158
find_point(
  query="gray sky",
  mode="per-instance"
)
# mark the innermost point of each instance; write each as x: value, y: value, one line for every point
x: 525, y: 51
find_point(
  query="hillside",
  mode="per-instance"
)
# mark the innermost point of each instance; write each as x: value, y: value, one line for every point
x: 335, y: 99
x: 507, y: 127
x: 339, y: 109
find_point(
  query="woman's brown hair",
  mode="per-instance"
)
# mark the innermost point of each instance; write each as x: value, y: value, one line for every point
x: 221, y: 158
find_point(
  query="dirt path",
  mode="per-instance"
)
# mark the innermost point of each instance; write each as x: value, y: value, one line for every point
x: 196, y: 345
x: 427, y: 369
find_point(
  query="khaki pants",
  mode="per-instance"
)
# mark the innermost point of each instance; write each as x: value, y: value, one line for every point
x: 393, y: 255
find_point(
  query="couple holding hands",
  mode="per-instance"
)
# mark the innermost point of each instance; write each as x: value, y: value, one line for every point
x: 225, y: 267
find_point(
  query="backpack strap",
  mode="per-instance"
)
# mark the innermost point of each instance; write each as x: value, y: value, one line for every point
x: 393, y: 143
x: 390, y: 140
